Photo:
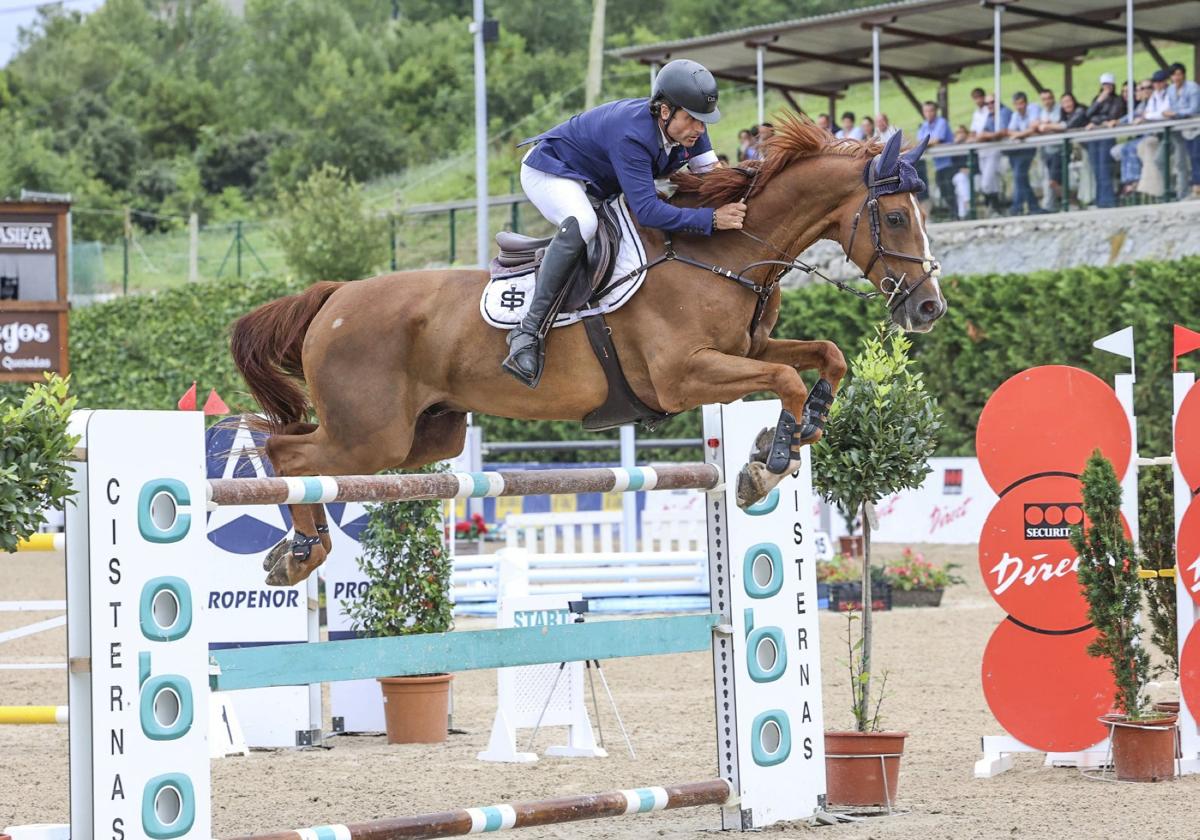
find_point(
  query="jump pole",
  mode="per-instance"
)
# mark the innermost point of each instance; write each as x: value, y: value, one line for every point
x: 403, y: 488
x: 141, y: 672
x: 33, y: 714
x: 521, y: 815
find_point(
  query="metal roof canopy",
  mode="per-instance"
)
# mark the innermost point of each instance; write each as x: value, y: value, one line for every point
x: 929, y: 40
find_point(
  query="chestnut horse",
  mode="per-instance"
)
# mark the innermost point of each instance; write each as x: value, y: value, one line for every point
x: 394, y: 363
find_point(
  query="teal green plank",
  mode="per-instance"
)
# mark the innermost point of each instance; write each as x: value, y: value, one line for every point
x: 356, y: 659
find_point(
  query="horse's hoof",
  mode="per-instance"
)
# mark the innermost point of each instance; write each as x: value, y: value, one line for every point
x: 752, y: 484
x: 279, y: 550
x: 762, y: 445
x: 281, y: 573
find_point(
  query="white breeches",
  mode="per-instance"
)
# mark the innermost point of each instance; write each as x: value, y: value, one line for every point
x: 557, y: 198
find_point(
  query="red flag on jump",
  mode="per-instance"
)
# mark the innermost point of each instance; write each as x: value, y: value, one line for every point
x: 214, y: 405
x: 188, y: 401
x: 1185, y: 342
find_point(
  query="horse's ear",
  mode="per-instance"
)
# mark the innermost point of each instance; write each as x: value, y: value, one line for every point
x: 914, y: 154
x: 887, y: 162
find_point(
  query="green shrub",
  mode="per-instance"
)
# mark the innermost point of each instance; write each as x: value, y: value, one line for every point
x: 34, y: 473
x: 1156, y: 550
x: 1109, y: 577
x: 408, y: 569
x: 327, y: 231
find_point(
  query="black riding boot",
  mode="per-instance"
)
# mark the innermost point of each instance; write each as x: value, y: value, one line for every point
x: 527, y: 355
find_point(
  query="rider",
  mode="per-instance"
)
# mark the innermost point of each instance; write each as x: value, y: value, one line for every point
x: 618, y: 147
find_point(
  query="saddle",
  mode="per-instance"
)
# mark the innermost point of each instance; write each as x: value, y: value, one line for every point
x: 520, y: 255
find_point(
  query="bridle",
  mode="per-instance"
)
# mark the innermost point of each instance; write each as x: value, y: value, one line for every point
x: 897, y: 291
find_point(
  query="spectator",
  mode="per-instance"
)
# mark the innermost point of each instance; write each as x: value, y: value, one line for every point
x: 1150, y: 149
x: 723, y: 160
x: 1021, y: 124
x: 752, y: 149
x: 1106, y: 109
x: 883, y: 127
x: 937, y: 130
x: 867, y: 128
x: 989, y: 160
x: 1183, y: 97
x: 1051, y: 155
x: 849, y: 131
x: 960, y: 166
x: 765, y: 132
x: 745, y: 143
x: 825, y: 123
x: 980, y: 114
x: 1127, y: 151
x: 1071, y: 117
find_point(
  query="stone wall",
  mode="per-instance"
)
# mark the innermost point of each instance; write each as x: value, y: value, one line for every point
x: 1022, y: 244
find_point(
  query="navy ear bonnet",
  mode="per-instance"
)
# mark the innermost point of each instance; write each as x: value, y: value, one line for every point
x: 891, y: 172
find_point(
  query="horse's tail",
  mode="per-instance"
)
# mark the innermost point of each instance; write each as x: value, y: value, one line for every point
x: 266, y: 346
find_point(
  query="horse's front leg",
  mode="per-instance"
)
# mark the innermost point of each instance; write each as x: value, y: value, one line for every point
x: 709, y: 376
x: 821, y: 356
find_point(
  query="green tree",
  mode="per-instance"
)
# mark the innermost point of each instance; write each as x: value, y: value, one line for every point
x: 1108, y: 574
x: 327, y: 232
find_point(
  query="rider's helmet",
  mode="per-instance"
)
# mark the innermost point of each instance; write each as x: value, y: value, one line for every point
x: 687, y: 84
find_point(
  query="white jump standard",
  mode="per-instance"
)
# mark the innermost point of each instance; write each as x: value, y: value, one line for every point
x: 141, y: 671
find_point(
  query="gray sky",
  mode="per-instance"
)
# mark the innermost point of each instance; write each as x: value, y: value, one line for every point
x: 15, y: 14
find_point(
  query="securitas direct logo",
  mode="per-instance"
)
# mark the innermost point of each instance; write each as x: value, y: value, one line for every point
x: 1051, y: 520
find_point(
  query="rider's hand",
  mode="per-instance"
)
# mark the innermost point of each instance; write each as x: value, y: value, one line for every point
x: 729, y: 217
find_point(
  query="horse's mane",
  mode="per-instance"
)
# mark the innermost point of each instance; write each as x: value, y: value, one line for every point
x: 796, y: 137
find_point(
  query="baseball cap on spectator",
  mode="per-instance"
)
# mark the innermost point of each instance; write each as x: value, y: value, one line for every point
x: 1160, y: 76
x: 1108, y: 79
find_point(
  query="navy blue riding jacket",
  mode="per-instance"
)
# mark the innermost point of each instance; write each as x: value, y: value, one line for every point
x: 618, y: 148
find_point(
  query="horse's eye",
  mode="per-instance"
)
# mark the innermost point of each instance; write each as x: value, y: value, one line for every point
x: 895, y: 219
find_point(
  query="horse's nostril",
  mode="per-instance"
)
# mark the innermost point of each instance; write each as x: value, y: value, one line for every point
x: 930, y: 309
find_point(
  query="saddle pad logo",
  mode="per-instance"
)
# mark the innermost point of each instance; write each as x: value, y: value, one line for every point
x: 506, y: 301
x: 513, y: 298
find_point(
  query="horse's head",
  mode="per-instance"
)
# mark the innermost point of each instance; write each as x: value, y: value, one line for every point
x: 886, y: 238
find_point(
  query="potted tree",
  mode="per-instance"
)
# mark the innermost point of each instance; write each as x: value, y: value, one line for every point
x: 882, y: 430
x: 1156, y: 549
x: 408, y: 572
x: 916, y: 582
x: 1143, y: 740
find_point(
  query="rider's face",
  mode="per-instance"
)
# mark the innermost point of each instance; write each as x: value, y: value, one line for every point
x: 683, y: 127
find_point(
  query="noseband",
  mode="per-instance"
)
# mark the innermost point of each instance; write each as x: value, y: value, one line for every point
x: 897, y: 290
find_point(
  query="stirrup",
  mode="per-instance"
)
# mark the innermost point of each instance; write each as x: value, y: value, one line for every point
x: 509, y: 364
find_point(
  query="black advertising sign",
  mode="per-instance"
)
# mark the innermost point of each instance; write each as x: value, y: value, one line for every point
x: 33, y: 290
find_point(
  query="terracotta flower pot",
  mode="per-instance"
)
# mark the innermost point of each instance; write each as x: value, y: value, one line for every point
x: 863, y: 768
x: 416, y: 709
x: 917, y: 597
x: 1143, y: 750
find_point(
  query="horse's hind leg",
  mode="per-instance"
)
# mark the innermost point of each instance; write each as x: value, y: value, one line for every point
x: 320, y: 521
x: 436, y: 438
x: 320, y: 453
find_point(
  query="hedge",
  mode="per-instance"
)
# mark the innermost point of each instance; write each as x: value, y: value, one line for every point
x: 144, y: 351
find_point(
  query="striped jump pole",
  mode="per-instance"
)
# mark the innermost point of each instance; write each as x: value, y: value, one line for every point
x: 521, y: 815
x: 402, y: 488
x: 33, y: 714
